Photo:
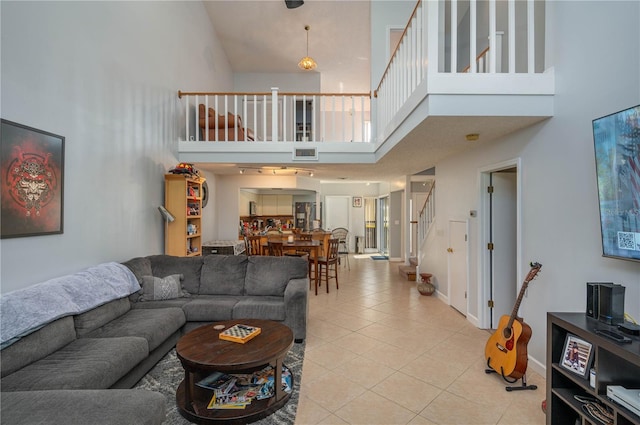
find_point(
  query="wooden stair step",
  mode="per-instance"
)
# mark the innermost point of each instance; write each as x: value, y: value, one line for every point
x: 408, y: 271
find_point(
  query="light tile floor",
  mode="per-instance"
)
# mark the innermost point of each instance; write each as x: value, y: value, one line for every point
x: 378, y: 352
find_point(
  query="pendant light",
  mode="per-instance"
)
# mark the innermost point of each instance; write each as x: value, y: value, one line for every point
x: 307, y: 63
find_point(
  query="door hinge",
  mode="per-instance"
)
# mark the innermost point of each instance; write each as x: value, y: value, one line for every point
x: 490, y: 246
x: 490, y: 303
x: 489, y: 189
x: 465, y: 295
x: 465, y: 238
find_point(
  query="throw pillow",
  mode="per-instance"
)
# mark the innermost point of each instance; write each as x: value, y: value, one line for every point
x: 166, y: 288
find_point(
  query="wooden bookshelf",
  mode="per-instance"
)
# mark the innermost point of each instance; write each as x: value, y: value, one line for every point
x: 183, y: 198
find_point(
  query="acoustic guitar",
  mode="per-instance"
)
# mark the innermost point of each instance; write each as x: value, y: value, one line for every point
x: 506, y: 350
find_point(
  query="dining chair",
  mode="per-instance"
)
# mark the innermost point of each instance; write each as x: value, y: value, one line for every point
x: 275, y: 248
x: 301, y: 237
x: 342, y: 234
x: 327, y: 264
x: 253, y: 245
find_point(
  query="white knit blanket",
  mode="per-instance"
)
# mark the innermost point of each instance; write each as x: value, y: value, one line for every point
x: 25, y: 310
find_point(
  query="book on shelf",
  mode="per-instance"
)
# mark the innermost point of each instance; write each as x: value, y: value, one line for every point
x: 240, y: 333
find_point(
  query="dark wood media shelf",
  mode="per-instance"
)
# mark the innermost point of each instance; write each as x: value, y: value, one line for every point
x: 614, y: 364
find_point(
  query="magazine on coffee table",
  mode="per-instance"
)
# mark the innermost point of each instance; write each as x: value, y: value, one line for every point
x: 217, y: 381
x: 240, y: 333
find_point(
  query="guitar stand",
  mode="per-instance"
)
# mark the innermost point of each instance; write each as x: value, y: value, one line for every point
x: 524, y: 385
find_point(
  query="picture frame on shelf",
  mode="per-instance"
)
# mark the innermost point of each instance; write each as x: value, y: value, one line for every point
x: 357, y: 201
x: 577, y: 356
x: 32, y: 172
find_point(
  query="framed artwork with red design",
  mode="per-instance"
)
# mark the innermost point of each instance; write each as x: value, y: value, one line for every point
x: 32, y: 170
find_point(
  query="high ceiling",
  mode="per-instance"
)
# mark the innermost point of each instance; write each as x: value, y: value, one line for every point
x: 263, y: 36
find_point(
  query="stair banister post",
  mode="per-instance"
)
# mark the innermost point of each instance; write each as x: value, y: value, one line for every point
x: 274, y: 114
x: 432, y: 31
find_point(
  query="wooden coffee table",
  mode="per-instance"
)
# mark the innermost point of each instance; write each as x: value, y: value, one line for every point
x: 201, y: 352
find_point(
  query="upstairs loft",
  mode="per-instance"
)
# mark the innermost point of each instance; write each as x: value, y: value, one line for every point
x: 440, y: 85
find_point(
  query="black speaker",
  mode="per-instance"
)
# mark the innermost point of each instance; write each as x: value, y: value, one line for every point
x: 593, y: 298
x: 611, y: 304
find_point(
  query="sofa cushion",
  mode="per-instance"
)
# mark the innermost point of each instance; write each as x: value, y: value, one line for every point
x: 190, y: 267
x: 269, y: 275
x: 37, y: 345
x: 223, y: 275
x: 82, y: 407
x: 24, y: 310
x: 154, y: 325
x: 176, y: 302
x: 209, y: 308
x: 86, y: 363
x: 93, y: 319
x: 162, y: 288
x: 140, y: 266
x: 268, y: 308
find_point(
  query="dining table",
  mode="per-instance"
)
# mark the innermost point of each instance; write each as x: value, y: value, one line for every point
x: 312, y: 247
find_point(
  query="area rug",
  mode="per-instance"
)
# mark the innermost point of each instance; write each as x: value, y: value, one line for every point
x: 167, y: 374
x: 379, y: 257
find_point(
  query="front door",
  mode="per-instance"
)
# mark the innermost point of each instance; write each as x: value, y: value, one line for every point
x: 503, y: 250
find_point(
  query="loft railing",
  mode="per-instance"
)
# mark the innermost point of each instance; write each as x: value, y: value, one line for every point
x: 433, y: 43
x: 406, y: 68
x: 440, y: 38
x: 277, y: 117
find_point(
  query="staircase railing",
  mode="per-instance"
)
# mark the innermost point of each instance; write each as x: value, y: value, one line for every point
x: 430, y: 45
x: 427, y: 216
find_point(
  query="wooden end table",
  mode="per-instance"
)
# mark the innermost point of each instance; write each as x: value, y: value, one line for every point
x: 202, y: 352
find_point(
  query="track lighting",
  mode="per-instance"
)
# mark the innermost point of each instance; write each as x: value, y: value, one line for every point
x: 276, y: 171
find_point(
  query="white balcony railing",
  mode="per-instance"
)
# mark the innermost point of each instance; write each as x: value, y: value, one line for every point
x: 433, y: 43
x: 439, y: 45
x: 277, y: 117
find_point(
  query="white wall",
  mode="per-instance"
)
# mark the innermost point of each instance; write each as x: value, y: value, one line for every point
x: 285, y: 82
x: 356, y: 225
x: 397, y: 225
x: 384, y: 14
x: 104, y: 75
x: 560, y: 222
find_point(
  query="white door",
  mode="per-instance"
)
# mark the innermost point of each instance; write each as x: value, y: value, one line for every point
x: 457, y: 265
x: 503, y: 213
x: 336, y: 212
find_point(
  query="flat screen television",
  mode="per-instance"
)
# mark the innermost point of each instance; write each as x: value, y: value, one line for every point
x: 617, y: 151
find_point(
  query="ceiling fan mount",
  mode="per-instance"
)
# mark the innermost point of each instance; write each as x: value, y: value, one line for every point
x: 292, y: 4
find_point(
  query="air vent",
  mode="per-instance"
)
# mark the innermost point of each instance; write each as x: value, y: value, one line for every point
x: 305, y: 154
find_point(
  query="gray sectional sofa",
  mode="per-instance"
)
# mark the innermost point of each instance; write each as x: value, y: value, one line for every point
x: 78, y: 365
